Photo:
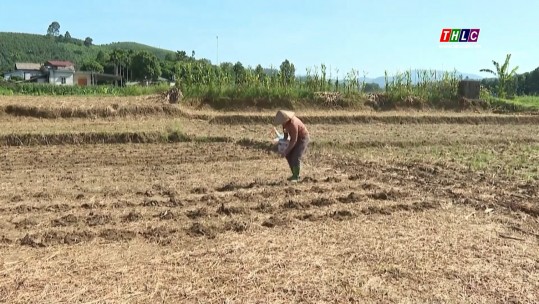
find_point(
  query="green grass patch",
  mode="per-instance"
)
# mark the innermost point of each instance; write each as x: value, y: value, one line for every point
x: 481, y: 160
x: 517, y: 104
x: 530, y: 102
x: 35, y: 89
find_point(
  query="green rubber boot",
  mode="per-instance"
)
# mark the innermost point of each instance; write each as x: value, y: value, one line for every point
x: 295, y: 174
x: 292, y: 171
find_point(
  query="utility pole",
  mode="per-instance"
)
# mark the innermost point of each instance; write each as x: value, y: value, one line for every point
x: 217, y: 49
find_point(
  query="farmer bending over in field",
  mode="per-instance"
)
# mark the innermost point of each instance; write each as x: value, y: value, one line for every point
x: 297, y: 133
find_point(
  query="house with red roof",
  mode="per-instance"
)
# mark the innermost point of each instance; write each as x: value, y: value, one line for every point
x: 60, y: 72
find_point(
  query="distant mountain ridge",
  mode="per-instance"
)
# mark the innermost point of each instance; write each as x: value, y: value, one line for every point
x: 415, y: 78
x: 381, y: 81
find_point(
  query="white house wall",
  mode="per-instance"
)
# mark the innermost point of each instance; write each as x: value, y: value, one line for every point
x: 26, y: 75
x: 55, y: 77
x: 17, y: 74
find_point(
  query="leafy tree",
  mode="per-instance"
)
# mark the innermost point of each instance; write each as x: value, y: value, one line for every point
x: 118, y: 58
x: 102, y: 58
x: 227, y: 67
x: 504, y: 77
x: 170, y: 57
x: 204, y: 61
x: 168, y: 69
x: 67, y: 37
x: 54, y: 29
x: 145, y: 65
x: 489, y: 83
x: 372, y: 87
x: 239, y: 72
x: 16, y: 56
x: 259, y: 72
x: 288, y: 72
x: 88, y: 41
x: 129, y: 59
x: 532, y: 82
x: 92, y: 66
x: 520, y: 84
x: 181, y: 56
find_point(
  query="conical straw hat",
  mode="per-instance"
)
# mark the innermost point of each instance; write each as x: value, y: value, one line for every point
x: 283, y: 116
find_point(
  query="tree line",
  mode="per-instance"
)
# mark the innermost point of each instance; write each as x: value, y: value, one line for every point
x: 187, y: 70
x: 521, y: 84
x: 139, y: 65
x: 53, y: 32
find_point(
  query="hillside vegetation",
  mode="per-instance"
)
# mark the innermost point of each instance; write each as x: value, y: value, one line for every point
x: 22, y: 47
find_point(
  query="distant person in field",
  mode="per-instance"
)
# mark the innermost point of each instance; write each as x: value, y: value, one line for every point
x: 298, y: 136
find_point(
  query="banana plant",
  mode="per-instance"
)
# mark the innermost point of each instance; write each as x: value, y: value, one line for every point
x: 503, y: 75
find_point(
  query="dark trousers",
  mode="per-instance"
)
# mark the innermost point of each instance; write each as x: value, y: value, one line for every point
x: 294, y: 157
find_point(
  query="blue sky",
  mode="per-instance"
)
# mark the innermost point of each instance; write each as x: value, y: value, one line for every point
x: 369, y: 36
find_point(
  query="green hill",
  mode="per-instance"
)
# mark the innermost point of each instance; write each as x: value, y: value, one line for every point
x: 22, y: 47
